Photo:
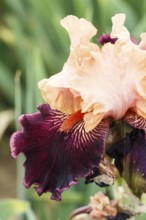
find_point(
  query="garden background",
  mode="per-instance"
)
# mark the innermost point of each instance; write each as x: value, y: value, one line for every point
x: 33, y: 45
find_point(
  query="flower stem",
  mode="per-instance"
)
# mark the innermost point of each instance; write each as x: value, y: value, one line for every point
x: 111, y: 192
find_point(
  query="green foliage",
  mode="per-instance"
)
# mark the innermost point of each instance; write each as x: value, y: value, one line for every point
x: 33, y: 46
x: 12, y: 208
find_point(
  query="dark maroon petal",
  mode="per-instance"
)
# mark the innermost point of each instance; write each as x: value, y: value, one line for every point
x: 106, y: 38
x: 54, y: 158
x: 135, y: 120
x: 130, y: 159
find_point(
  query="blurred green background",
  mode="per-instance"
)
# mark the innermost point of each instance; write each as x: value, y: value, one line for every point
x: 33, y: 45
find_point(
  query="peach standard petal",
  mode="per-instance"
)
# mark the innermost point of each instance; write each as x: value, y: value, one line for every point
x: 79, y: 30
x: 99, y: 82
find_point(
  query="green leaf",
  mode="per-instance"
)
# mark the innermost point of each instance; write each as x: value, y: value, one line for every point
x: 12, y: 207
x: 141, y: 217
x: 6, y: 82
x: 18, y: 7
x: 5, y: 118
x: 140, y: 27
x: 109, y: 8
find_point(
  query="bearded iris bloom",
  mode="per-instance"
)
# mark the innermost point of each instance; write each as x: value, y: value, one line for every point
x: 66, y: 139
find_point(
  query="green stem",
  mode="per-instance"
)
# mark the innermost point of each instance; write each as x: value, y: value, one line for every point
x: 111, y: 192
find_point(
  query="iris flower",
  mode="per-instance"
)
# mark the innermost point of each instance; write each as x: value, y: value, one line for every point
x: 65, y: 140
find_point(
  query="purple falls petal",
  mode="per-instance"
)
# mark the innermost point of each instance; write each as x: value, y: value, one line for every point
x: 130, y: 159
x: 54, y: 158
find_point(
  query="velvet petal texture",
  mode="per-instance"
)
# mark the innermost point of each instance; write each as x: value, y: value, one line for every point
x: 130, y: 159
x: 56, y: 158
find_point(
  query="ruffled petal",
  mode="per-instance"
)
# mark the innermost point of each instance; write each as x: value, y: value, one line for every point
x: 118, y: 29
x: 79, y: 30
x: 55, y: 156
x: 142, y: 44
x: 130, y: 159
x: 100, y: 82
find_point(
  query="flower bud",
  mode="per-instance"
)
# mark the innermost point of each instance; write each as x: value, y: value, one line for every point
x: 130, y: 159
